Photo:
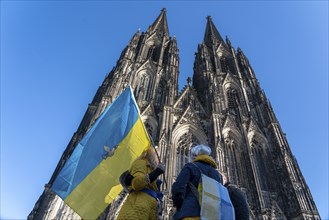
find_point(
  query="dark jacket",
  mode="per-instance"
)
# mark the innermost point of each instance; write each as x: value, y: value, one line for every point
x: 186, y: 203
x: 239, y: 202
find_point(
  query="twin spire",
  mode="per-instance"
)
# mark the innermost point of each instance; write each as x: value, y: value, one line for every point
x: 160, y: 25
x: 211, y: 35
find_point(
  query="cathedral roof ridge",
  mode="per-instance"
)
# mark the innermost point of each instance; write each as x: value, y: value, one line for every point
x: 229, y: 78
x: 189, y: 116
x: 229, y: 123
x: 253, y: 127
x: 222, y: 106
x: 189, y: 92
x: 149, y: 110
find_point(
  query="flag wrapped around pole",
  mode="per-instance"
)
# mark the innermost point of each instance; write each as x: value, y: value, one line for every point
x: 89, y: 180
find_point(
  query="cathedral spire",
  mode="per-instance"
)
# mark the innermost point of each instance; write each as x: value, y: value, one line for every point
x: 216, y: 109
x: 160, y: 25
x: 211, y: 36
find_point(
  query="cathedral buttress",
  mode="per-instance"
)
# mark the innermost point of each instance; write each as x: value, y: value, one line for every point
x: 248, y: 139
x: 149, y: 63
x: 225, y: 109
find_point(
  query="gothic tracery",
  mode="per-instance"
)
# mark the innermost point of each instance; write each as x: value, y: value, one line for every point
x: 224, y: 108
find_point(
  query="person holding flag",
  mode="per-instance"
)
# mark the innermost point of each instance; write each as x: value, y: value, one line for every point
x: 144, y: 196
x: 89, y: 180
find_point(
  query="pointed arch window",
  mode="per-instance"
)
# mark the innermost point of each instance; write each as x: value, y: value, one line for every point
x: 146, y: 85
x: 183, y: 156
x: 143, y: 87
x: 156, y: 53
x: 260, y: 162
x: 150, y: 51
x: 231, y: 158
x: 160, y: 94
x: 235, y: 105
x: 232, y: 98
x: 223, y: 64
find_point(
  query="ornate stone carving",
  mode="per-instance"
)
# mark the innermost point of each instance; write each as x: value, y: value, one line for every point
x: 248, y: 144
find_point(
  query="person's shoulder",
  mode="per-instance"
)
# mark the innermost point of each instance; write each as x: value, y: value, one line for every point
x: 139, y: 162
x: 138, y: 165
x: 187, y: 165
x: 206, y: 159
x: 234, y: 189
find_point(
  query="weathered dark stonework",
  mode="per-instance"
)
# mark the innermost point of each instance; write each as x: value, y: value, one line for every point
x: 224, y: 108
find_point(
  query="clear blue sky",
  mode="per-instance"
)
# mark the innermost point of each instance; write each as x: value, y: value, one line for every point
x: 55, y: 54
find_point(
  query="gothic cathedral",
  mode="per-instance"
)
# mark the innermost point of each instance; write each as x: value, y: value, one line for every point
x: 223, y: 107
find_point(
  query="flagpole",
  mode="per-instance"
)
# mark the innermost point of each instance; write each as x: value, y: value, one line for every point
x: 153, y: 145
x: 150, y: 137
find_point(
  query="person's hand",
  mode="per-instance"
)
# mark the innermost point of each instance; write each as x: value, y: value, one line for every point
x: 161, y: 166
x: 129, y: 178
x: 225, y: 180
x: 157, y: 172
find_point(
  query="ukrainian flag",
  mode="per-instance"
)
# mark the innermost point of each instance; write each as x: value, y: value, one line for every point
x: 89, y: 179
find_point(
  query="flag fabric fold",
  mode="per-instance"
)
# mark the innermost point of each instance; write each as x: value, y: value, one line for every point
x: 89, y: 179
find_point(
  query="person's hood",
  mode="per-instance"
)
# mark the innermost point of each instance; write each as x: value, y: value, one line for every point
x: 207, y: 159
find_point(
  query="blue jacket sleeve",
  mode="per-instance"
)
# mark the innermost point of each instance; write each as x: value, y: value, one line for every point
x: 179, y: 187
x: 217, y: 176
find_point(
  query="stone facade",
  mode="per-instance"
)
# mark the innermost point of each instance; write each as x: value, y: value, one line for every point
x: 224, y: 108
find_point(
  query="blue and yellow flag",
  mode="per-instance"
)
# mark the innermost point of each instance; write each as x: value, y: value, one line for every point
x: 89, y: 179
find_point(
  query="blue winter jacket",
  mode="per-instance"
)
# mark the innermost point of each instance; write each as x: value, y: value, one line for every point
x: 185, y: 201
